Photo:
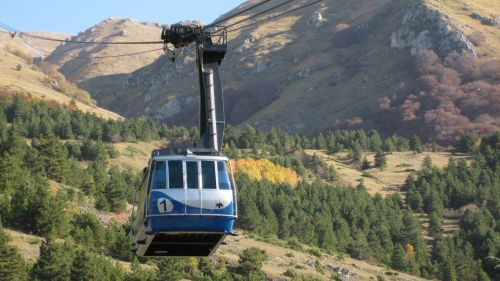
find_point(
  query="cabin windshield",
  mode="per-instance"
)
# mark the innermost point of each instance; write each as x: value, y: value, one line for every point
x: 190, y: 174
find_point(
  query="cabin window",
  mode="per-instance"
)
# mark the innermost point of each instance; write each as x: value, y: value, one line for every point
x: 224, y: 182
x: 208, y: 174
x: 175, y: 175
x: 192, y: 174
x: 159, y: 176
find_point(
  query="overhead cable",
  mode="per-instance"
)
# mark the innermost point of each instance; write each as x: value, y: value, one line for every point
x: 275, y: 16
x: 77, y: 41
x: 260, y: 13
x: 238, y: 13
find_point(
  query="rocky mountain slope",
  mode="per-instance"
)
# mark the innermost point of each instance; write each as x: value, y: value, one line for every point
x: 83, y: 63
x: 323, y: 67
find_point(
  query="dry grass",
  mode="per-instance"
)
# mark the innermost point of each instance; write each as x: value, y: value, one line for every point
x: 387, y: 180
x: 30, y: 80
x: 28, y: 245
x: 135, y: 154
x: 278, y: 262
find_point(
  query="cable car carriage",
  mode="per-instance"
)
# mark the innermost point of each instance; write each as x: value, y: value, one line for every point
x: 187, y: 205
x: 187, y: 198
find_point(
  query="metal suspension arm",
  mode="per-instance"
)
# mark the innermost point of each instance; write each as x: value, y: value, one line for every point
x: 210, y: 51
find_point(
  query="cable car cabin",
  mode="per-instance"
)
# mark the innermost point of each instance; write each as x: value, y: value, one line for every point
x: 187, y: 205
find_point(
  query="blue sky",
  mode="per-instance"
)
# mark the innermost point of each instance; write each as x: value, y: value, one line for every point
x: 72, y: 16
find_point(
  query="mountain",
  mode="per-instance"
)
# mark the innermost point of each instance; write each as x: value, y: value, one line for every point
x: 327, y: 66
x: 83, y: 63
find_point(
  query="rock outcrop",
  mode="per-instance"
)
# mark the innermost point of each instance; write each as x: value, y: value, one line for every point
x: 424, y: 28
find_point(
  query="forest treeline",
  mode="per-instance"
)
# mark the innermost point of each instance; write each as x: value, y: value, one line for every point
x: 37, y: 119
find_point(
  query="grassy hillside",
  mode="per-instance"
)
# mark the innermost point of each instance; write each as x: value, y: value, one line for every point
x: 386, y: 180
x: 279, y: 259
x: 30, y: 79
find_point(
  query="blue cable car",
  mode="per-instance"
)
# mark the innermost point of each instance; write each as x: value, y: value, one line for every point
x: 187, y: 198
x: 187, y: 205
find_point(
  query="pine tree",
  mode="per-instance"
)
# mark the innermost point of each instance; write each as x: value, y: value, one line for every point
x: 321, y: 142
x: 15, y: 144
x: 84, y: 268
x: 356, y: 153
x: 427, y: 163
x: 50, y: 213
x: 366, y: 164
x: 12, y: 265
x: 97, y: 169
x: 114, y: 190
x: 54, y: 263
x: 359, y: 248
x: 398, y: 259
x: 389, y: 145
x: 251, y: 260
x: 375, y: 141
x: 380, y: 160
x: 54, y: 157
x: 10, y: 172
x: 435, y: 225
x: 416, y: 144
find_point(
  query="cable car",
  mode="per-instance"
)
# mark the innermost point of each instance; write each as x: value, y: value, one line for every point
x: 189, y: 203
x: 187, y: 199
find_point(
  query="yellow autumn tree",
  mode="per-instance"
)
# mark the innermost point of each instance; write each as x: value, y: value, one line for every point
x: 409, y: 251
x: 265, y: 169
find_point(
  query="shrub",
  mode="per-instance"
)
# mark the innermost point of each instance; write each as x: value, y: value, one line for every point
x: 290, y: 273
x: 315, y: 252
x: 19, y: 67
